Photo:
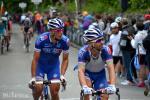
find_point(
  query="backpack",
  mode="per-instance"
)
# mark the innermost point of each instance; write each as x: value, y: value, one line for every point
x: 146, y: 42
x: 124, y: 42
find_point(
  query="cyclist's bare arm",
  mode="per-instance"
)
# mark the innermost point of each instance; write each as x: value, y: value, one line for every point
x: 34, y: 63
x: 81, y: 71
x: 64, y: 65
x: 111, y: 71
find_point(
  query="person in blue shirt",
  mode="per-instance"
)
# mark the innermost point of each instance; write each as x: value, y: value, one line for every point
x: 92, y: 60
x: 2, y: 28
x: 48, y: 47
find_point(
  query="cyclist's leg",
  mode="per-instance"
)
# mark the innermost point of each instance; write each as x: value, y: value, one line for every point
x: 31, y: 31
x: 5, y: 38
x: 2, y: 34
x: 54, y: 74
x: 24, y: 36
x: 37, y: 91
x: 54, y: 89
x: 9, y: 35
x: 30, y: 36
x: 25, y: 33
x: 100, y: 82
x: 89, y: 83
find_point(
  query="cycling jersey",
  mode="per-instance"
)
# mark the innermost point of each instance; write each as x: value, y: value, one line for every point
x: 94, y: 64
x: 49, y: 55
x: 2, y: 28
x: 94, y: 67
x: 27, y: 23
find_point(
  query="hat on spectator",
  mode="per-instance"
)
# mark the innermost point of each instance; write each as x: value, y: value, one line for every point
x: 84, y: 13
x: 114, y: 25
x: 118, y: 19
x: 147, y: 16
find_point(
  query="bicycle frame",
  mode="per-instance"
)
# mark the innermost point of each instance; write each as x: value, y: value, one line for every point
x: 45, y: 92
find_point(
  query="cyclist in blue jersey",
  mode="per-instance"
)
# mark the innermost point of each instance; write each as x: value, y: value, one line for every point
x: 92, y: 58
x: 48, y: 48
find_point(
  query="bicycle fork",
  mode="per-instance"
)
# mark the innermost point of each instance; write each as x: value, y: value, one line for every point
x: 45, y: 92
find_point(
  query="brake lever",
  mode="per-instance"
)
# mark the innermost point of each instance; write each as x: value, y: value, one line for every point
x: 63, y: 83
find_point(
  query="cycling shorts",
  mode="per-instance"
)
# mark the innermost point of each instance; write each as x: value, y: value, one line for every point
x: 98, y: 79
x: 52, y: 73
x: 26, y: 29
x: 116, y: 59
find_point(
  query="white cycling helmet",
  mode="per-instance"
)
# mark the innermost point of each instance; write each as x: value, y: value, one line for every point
x: 94, y: 25
x: 55, y: 23
x: 27, y: 19
x: 118, y: 19
x: 92, y: 34
x: 6, y: 13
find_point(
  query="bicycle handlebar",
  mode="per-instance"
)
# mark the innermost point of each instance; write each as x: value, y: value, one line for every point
x: 46, y: 82
x: 104, y: 92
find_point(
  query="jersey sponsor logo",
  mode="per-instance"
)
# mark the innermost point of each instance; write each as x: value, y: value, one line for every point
x: 55, y: 76
x: 58, y: 45
x: 52, y: 50
x: 81, y: 53
x: 47, y: 45
x: 109, y: 50
x: 101, y: 85
x: 43, y: 37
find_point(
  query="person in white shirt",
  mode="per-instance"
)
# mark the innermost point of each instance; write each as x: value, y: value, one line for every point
x: 114, y: 42
x: 136, y: 43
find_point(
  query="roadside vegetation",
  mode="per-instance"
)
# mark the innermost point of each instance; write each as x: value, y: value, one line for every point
x: 101, y: 6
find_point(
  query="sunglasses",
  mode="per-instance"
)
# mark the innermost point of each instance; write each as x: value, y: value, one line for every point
x: 99, y: 41
x: 57, y: 30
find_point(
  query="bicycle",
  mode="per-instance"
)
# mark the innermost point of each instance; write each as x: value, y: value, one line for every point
x: 96, y: 94
x: 45, y: 93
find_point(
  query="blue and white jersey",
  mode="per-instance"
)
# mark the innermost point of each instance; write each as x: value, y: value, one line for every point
x: 50, y: 52
x: 94, y: 64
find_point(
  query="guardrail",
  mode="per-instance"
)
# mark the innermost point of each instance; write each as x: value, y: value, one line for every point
x: 75, y: 36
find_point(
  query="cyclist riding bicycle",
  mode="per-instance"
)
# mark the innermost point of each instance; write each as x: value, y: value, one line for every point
x: 2, y: 32
x: 92, y: 59
x: 48, y: 48
x: 27, y: 26
x: 2, y: 27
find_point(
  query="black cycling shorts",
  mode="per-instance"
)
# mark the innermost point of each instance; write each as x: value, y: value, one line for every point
x: 26, y: 29
x: 116, y: 59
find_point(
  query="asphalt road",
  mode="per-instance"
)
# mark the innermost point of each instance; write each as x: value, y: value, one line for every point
x: 15, y: 74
